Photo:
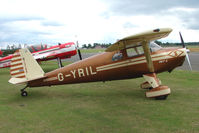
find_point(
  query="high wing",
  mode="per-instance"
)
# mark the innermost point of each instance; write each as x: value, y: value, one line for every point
x: 143, y: 40
x: 135, y: 40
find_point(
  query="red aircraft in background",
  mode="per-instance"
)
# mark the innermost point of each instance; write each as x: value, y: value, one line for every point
x: 1, y: 52
x: 42, y: 53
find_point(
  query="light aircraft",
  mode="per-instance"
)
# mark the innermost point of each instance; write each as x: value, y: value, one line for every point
x: 131, y: 57
x: 42, y: 53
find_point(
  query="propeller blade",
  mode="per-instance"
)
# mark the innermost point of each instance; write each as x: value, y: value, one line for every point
x: 182, y: 41
x: 187, y: 56
x: 79, y: 52
x: 80, y: 55
x: 188, y: 60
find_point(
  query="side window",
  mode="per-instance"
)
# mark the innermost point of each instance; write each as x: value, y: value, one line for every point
x: 131, y: 52
x: 134, y: 51
x: 117, y: 56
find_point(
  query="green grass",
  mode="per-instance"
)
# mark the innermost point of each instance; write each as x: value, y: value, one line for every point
x: 110, y: 107
x: 92, y: 50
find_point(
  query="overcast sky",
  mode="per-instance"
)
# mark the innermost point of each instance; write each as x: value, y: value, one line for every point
x: 89, y: 21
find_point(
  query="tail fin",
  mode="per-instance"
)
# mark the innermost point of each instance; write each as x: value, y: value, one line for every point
x: 24, y: 67
x: 1, y: 52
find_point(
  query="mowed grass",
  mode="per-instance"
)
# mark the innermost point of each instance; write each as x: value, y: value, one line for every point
x: 110, y: 107
x: 98, y: 50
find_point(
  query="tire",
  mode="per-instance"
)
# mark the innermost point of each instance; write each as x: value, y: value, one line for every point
x: 24, y: 94
x: 164, y: 97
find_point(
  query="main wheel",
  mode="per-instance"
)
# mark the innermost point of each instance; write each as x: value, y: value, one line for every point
x: 164, y: 97
x: 24, y: 93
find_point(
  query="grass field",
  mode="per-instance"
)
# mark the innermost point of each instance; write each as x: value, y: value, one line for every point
x: 92, y: 50
x: 110, y: 107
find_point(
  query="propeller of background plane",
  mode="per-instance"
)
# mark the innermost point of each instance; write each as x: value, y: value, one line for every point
x: 79, y: 52
x: 187, y: 50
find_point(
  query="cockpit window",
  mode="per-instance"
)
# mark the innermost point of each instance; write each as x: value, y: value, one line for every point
x: 154, y: 47
x: 117, y: 56
x: 135, y: 51
x: 35, y: 48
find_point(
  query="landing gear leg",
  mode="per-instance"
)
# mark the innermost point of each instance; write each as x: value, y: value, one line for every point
x: 157, y: 91
x: 23, y: 92
x: 59, y: 62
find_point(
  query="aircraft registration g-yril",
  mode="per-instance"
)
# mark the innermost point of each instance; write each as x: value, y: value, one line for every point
x: 42, y: 53
x: 131, y: 57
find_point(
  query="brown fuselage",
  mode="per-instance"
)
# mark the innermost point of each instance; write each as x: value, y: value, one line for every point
x: 101, y: 67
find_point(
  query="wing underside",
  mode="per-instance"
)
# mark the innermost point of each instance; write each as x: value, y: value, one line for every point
x: 136, y: 40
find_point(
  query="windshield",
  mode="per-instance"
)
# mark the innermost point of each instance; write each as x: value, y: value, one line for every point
x: 154, y: 46
x: 35, y: 48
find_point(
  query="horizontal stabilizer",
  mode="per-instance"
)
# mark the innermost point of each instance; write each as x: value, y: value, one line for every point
x: 22, y: 80
x: 17, y: 80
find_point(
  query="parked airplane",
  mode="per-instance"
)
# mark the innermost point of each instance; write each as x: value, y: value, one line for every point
x: 132, y: 57
x: 42, y: 53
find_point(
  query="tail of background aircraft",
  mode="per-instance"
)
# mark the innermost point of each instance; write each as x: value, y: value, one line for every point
x: 24, y: 67
x: 1, y: 52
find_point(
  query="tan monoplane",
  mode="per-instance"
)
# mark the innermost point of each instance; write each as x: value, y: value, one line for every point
x: 132, y: 57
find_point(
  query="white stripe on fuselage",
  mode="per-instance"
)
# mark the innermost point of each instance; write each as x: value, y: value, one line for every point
x: 43, y: 55
x: 50, y: 79
x: 45, y: 51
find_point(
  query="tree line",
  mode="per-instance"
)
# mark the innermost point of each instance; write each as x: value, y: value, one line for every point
x: 12, y: 48
x: 105, y: 45
x: 96, y: 45
x: 176, y: 44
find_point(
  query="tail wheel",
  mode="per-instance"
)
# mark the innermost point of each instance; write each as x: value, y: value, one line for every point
x: 24, y: 93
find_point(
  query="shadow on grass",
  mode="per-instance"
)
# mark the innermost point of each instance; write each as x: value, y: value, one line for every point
x: 37, y: 95
x: 32, y: 96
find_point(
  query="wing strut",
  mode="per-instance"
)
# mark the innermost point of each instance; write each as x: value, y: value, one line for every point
x: 148, y: 56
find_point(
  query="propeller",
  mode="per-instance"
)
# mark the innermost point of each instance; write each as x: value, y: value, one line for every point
x: 187, y: 56
x: 79, y: 52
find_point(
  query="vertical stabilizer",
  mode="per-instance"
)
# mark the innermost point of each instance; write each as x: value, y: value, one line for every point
x: 24, y: 67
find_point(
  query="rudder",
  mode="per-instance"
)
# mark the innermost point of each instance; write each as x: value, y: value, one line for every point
x: 24, y: 67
